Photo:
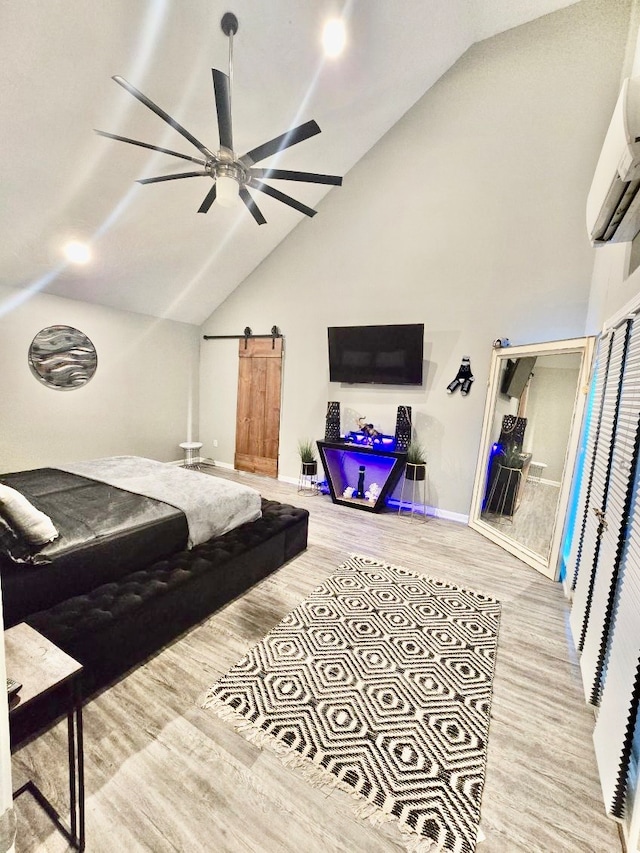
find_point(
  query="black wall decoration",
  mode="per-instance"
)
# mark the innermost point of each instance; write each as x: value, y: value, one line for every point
x: 463, y: 378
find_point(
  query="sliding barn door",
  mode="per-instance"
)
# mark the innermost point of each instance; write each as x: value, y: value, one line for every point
x: 258, y: 413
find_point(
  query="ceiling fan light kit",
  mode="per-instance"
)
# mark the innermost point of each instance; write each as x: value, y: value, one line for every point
x: 232, y: 175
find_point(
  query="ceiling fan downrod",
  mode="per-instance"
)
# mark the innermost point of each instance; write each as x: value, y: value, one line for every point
x: 229, y: 26
x: 228, y: 176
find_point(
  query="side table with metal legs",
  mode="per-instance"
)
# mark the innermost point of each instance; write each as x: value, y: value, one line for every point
x: 191, y: 454
x: 41, y: 667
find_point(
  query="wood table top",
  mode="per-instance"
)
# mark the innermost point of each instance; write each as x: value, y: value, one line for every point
x: 36, y: 663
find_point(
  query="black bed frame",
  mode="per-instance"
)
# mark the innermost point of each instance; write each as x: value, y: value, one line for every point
x: 118, y: 625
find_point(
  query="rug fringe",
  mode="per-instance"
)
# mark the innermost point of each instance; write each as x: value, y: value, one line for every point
x: 383, y: 563
x: 315, y: 775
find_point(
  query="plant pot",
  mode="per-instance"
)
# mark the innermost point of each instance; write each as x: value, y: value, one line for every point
x: 503, y: 494
x: 309, y: 469
x: 416, y: 470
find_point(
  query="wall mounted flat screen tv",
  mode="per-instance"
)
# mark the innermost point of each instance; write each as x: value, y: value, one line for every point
x: 382, y: 355
x: 516, y: 375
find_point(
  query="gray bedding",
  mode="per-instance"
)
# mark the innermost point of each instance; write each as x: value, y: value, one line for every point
x: 212, y: 505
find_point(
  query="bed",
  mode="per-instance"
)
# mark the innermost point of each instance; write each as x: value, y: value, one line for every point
x: 132, y: 553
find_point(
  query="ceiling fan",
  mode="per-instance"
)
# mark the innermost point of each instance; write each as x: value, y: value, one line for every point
x: 232, y: 175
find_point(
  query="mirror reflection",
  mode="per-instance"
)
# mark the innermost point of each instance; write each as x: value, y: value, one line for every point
x: 529, y: 437
x: 533, y: 415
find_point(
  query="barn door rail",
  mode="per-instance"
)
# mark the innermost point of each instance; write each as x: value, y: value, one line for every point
x: 246, y: 335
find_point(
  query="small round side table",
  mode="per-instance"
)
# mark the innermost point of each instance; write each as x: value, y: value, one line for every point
x: 191, y: 455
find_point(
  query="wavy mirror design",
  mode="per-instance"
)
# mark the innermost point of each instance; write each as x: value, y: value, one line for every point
x: 62, y: 357
x: 531, y: 429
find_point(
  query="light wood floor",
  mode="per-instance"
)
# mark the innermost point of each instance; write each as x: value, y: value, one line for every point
x: 532, y: 523
x: 164, y: 775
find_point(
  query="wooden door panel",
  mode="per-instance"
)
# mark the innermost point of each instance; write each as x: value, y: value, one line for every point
x: 258, y: 412
x: 272, y: 387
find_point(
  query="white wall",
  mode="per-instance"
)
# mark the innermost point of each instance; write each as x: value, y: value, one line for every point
x: 550, y: 405
x: 612, y: 286
x: 467, y: 216
x: 141, y: 400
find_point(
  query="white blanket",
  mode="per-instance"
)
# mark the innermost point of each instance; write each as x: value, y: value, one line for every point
x: 212, y: 505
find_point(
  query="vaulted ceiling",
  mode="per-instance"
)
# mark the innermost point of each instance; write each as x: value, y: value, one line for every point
x: 152, y: 252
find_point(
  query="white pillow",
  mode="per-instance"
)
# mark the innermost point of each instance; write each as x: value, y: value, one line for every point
x: 33, y: 524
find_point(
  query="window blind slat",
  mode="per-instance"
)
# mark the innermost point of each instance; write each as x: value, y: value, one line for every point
x: 614, y: 730
x: 599, y: 482
x: 591, y: 443
x: 617, y: 507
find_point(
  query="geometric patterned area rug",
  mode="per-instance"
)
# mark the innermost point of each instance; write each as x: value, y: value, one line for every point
x: 380, y: 683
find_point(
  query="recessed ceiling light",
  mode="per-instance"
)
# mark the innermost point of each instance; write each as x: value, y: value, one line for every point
x: 334, y: 37
x: 76, y: 252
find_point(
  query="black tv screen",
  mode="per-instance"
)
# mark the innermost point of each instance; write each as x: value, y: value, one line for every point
x: 516, y: 375
x: 383, y: 355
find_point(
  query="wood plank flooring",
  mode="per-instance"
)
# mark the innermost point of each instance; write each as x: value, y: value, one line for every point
x: 532, y: 523
x: 164, y: 775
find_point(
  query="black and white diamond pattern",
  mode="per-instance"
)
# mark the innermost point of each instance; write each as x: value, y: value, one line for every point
x: 383, y: 678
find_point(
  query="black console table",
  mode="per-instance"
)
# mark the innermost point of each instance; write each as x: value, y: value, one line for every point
x: 342, y: 463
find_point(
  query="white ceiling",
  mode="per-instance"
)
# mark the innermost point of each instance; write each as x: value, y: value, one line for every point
x: 153, y: 253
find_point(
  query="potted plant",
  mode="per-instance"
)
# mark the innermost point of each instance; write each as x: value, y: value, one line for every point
x: 416, y: 465
x: 511, y: 456
x: 308, y: 458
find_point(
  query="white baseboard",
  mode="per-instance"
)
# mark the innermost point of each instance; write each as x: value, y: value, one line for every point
x: 458, y: 517
x: 291, y: 480
x: 227, y: 465
x: 436, y: 512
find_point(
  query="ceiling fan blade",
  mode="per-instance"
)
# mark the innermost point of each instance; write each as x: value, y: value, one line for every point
x: 164, y: 116
x: 151, y: 147
x: 274, y: 193
x: 286, y: 175
x: 286, y: 140
x: 208, y: 200
x: 223, y: 107
x: 253, y: 208
x: 172, y: 177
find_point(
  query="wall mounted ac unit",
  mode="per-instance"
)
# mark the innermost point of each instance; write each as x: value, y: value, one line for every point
x: 613, y: 203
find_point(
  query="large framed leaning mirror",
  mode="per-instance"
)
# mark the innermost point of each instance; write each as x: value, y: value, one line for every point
x: 530, y: 434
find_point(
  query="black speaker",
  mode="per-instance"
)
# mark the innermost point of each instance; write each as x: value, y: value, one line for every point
x: 332, y: 422
x: 403, y: 427
x: 512, y: 432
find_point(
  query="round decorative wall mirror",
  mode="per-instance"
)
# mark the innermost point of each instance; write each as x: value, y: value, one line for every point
x: 62, y: 357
